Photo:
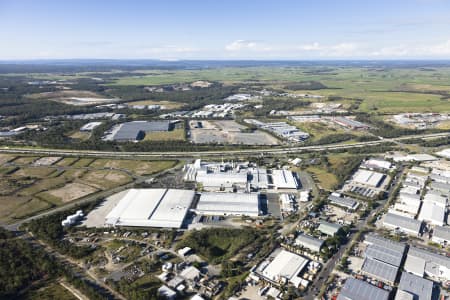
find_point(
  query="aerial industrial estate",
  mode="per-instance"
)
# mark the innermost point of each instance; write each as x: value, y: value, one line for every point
x: 235, y: 180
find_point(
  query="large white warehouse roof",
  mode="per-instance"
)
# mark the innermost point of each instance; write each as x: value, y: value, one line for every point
x: 285, y: 265
x: 283, y: 179
x: 228, y: 204
x: 151, y: 208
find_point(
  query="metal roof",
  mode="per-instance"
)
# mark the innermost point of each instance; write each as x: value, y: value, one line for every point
x: 370, y: 178
x: 151, y: 208
x: 309, y: 242
x: 355, y: 289
x: 442, y: 232
x: 379, y: 269
x: 404, y: 223
x: 284, y: 179
x: 228, y: 204
x: 383, y: 242
x: 344, y: 201
x: 421, y: 288
x: 432, y: 212
x: 286, y: 264
x: 386, y: 252
x: 430, y: 256
x: 329, y: 228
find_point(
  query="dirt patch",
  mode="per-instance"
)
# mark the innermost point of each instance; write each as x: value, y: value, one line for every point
x: 72, y: 191
x: 4, y: 158
x: 106, y: 179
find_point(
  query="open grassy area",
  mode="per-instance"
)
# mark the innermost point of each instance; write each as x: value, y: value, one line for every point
x: 325, y: 179
x: 384, y: 90
x: 174, y: 135
x: 26, y: 190
x: 105, y: 179
x: 138, y: 167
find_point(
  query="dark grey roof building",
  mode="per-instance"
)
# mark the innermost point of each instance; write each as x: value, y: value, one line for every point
x: 420, y: 288
x: 355, y: 289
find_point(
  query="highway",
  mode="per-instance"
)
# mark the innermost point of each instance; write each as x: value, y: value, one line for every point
x: 192, y: 154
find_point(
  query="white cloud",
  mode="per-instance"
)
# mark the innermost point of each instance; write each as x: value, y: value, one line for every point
x: 310, y: 47
x: 240, y: 45
x: 245, y: 45
x: 441, y: 49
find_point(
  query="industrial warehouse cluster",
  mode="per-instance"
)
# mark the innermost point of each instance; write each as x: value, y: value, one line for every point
x: 422, y: 200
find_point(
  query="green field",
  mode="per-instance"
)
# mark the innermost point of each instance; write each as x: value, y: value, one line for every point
x: 382, y: 90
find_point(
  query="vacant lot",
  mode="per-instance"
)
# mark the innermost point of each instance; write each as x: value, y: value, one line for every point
x: 71, y: 192
x: 138, y: 167
x: 228, y: 132
x: 174, y: 135
x: 73, y: 97
x: 106, y: 179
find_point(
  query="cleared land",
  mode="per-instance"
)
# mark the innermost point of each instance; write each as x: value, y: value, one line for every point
x: 71, y: 192
x: 73, y: 97
x: 228, y: 132
x: 138, y: 167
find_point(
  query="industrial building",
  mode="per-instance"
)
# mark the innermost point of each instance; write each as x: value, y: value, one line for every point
x: 329, y: 228
x: 375, y: 163
x: 239, y: 177
x: 403, y: 224
x: 166, y: 208
x: 281, y: 129
x: 432, y: 213
x: 441, y: 234
x: 355, y: 289
x: 224, y: 204
x: 135, y: 130
x: 345, y: 202
x: 370, y: 178
x: 350, y: 123
x: 418, y: 287
x: 309, y: 242
x: 382, y: 258
x: 284, y: 267
x: 284, y: 180
x: 420, y: 262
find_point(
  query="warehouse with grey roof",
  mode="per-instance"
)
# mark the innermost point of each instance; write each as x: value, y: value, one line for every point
x: 355, y: 289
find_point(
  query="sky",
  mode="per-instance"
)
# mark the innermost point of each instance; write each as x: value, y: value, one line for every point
x: 225, y: 29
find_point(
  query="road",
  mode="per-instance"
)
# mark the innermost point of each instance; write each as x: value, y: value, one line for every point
x: 191, y: 154
x: 329, y: 266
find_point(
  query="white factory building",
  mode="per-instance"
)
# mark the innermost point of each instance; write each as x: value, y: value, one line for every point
x: 283, y: 268
x: 284, y: 180
x: 164, y: 208
x: 224, y: 204
x: 238, y: 177
x: 370, y: 178
x: 422, y: 262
